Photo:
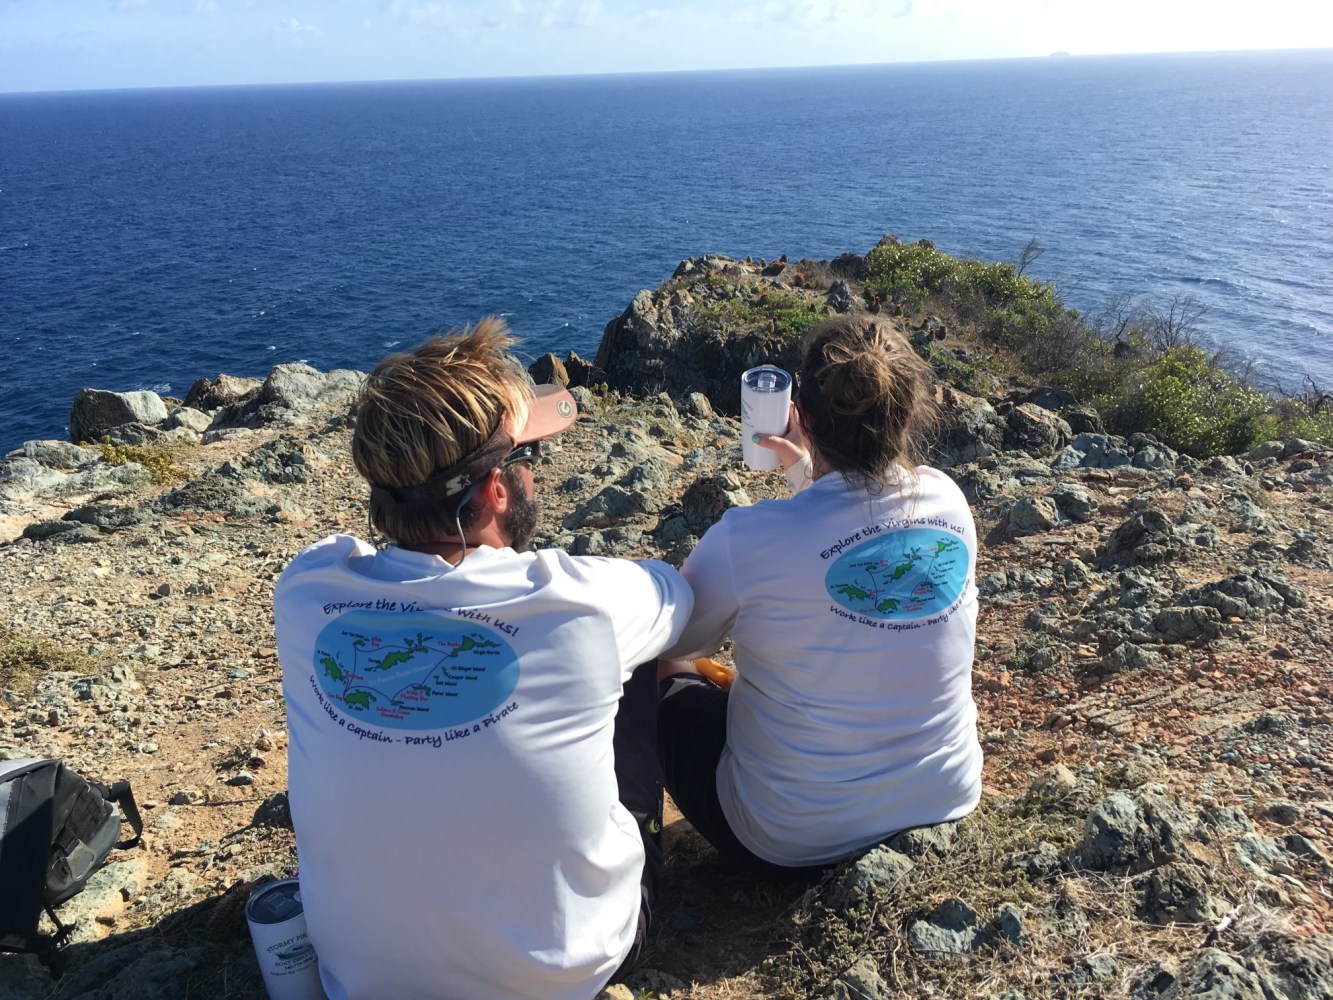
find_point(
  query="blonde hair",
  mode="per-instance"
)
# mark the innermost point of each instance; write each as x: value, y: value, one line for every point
x: 423, y: 410
x: 867, y: 399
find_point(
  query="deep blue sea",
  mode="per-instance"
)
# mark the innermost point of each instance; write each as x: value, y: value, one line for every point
x: 148, y: 238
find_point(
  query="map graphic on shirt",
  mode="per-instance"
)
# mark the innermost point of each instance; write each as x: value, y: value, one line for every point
x: 413, y: 671
x: 902, y: 574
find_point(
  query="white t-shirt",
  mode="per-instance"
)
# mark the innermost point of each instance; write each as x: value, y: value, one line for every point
x: 451, y: 768
x: 853, y: 620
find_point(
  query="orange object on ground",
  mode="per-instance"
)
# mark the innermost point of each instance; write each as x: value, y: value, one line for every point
x: 718, y: 673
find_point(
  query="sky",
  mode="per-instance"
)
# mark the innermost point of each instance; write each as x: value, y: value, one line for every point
x: 95, y: 44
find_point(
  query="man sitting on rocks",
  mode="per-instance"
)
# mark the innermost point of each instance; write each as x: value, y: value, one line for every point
x: 472, y: 761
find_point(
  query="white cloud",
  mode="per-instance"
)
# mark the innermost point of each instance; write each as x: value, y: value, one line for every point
x: 298, y: 32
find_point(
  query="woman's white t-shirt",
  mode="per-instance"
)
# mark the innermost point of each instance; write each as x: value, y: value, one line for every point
x: 853, y: 619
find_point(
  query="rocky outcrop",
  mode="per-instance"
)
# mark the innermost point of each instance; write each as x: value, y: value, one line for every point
x: 97, y: 411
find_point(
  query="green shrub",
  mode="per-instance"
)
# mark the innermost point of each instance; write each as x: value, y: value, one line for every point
x: 1186, y: 400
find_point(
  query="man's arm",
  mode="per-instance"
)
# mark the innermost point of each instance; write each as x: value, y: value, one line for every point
x: 716, y: 604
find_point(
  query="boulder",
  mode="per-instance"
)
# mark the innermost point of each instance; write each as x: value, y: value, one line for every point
x: 189, y: 418
x: 1147, y: 537
x: 56, y: 454
x: 1074, y: 502
x: 880, y: 867
x: 290, y: 396
x: 549, y: 370
x: 210, y: 394
x: 97, y: 411
x: 1032, y: 515
x: 1033, y: 430
x: 1177, y: 894
x: 1134, y: 831
x: 952, y: 928
x: 970, y: 429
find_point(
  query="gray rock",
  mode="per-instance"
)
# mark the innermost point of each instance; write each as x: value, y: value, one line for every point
x: 1123, y: 657
x: 952, y: 928
x: 696, y: 404
x: 1010, y: 925
x: 1146, y: 537
x: 1154, y: 456
x: 105, y: 893
x: 840, y: 297
x: 105, y: 515
x: 1283, y: 813
x: 189, y: 418
x: 1039, y: 863
x: 1032, y: 515
x: 1269, y: 449
x: 210, y: 394
x: 290, y: 395
x: 549, y: 370
x: 1177, y: 893
x: 1226, y: 819
x: 97, y: 411
x: 1101, y: 451
x: 274, y: 811
x: 56, y: 454
x: 63, y: 531
x: 1033, y: 430
x: 612, y: 505
x: 881, y: 867
x: 1259, y: 854
x: 1052, y: 786
x: 969, y: 429
x: 1185, y: 624
x: 921, y: 841
x: 1053, y: 399
x: 23, y: 977
x: 1299, y: 446
x: 1074, y: 502
x: 140, y: 970
x: 1134, y: 831
x: 1083, y: 420
x: 709, y: 497
x: 1212, y: 974
x: 863, y: 982
x: 1249, y: 595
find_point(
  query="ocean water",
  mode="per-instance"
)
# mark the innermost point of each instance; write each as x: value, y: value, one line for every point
x: 148, y: 238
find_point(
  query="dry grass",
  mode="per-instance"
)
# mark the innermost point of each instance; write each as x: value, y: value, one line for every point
x: 24, y: 658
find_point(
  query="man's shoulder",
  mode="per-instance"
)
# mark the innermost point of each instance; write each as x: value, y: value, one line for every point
x: 329, y: 551
x: 602, y: 573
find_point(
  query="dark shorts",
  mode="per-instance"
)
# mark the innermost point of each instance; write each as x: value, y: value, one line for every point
x: 691, y: 735
x: 639, y: 778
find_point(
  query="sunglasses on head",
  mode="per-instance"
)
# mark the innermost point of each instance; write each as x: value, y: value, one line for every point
x: 529, y: 452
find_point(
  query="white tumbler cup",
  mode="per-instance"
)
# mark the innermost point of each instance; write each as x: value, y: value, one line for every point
x: 286, y: 956
x: 765, y: 407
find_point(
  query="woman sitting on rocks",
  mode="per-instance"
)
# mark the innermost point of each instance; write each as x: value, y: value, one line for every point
x: 851, y: 607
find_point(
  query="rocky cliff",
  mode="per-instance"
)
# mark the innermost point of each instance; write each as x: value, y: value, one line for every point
x: 1153, y: 672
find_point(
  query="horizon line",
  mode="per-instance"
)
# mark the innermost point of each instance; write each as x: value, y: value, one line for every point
x: 1058, y: 56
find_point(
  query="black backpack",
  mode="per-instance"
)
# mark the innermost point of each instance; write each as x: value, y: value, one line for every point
x: 56, y: 829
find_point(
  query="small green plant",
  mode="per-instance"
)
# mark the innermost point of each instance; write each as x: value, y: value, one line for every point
x: 160, y: 461
x: 23, y: 658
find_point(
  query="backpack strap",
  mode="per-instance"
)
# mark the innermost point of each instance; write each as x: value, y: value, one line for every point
x: 121, y: 794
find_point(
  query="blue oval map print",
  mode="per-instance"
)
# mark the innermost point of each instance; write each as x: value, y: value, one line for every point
x: 413, y: 671
x: 904, y: 574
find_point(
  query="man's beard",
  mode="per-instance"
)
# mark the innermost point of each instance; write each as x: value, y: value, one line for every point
x: 520, y: 522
